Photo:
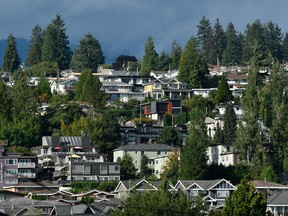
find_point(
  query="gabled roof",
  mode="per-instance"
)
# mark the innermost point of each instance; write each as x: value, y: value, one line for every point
x: 139, y: 185
x: 145, y: 147
x: 203, y: 184
x: 84, y: 193
x: 278, y: 199
x: 265, y: 184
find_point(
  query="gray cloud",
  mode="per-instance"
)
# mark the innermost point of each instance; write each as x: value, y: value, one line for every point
x: 122, y: 26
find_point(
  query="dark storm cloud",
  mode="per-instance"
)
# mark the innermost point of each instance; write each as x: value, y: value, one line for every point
x: 122, y: 26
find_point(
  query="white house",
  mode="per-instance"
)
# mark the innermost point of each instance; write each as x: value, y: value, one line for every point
x: 221, y: 154
x: 203, y: 92
x: 237, y: 109
x: 63, y: 86
x: 157, y: 155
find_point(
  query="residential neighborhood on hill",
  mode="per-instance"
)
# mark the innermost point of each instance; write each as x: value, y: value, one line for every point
x: 198, y: 131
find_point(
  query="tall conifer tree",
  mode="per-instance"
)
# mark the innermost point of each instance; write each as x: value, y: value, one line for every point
x: 88, y: 54
x: 11, y: 60
x: 193, y: 160
x: 150, y: 58
x: 56, y: 44
x: 35, y: 49
x: 230, y: 125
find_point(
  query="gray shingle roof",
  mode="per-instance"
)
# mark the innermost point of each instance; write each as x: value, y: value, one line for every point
x: 146, y: 147
x: 280, y: 198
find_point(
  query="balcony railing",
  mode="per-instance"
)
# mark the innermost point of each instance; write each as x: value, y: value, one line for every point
x: 26, y: 175
x: 26, y: 165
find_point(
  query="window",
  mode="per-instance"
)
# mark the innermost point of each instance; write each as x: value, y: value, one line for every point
x: 45, y: 151
x: 222, y: 193
x: 117, y: 168
x: 87, y: 178
x: 156, y: 161
x: 10, y: 172
x: 104, y: 168
x: 135, y: 161
x: 193, y: 193
x: 142, y: 152
x: 11, y: 162
x: 135, y: 152
x: 103, y: 178
x: 117, y: 178
x: 158, y: 152
x: 87, y: 168
x: 11, y: 181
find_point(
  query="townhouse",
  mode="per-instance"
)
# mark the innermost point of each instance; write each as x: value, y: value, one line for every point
x: 15, y: 167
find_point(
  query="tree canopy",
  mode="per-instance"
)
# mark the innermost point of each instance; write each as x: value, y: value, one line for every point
x: 11, y: 60
x: 88, y: 54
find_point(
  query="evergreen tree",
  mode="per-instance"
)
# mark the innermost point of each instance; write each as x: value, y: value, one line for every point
x: 56, y: 44
x: 144, y: 171
x: 223, y: 94
x: 233, y: 50
x: 88, y: 54
x: 192, y: 67
x: 11, y: 59
x: 220, y: 41
x: 128, y: 170
x: 4, y: 105
x: 164, y: 61
x: 109, y: 134
x: 248, y: 142
x: 89, y: 89
x: 218, y: 136
x: 150, y: 58
x: 279, y: 116
x: 24, y: 102
x: 269, y: 174
x: 254, y: 34
x: 35, y: 48
x: 193, y: 160
x: 245, y: 201
x: 285, y: 47
x: 206, y: 40
x: 230, y: 125
x: 176, y: 53
x: 170, y: 136
x: 44, y: 91
x: 273, y: 40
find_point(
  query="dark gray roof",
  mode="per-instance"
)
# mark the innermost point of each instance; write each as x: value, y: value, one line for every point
x: 280, y: 198
x: 266, y: 184
x: 205, y: 184
x: 146, y: 147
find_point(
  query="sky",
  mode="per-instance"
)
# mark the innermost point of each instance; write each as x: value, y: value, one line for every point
x: 123, y: 26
